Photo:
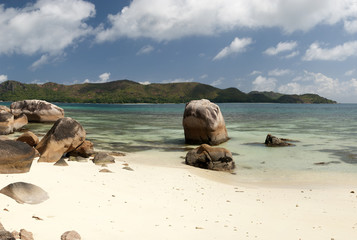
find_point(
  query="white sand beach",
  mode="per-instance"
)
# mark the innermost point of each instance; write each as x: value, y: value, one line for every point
x: 176, y: 202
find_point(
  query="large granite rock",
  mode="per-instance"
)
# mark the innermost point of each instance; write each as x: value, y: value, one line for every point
x: 65, y: 135
x: 208, y: 157
x: 4, y: 109
x: 85, y: 150
x: 30, y: 138
x: 20, y: 121
x: 203, y: 123
x: 37, y: 110
x: 23, y: 192
x: 6, y: 123
x: 15, y: 157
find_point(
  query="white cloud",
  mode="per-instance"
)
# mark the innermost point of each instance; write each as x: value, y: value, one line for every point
x: 145, y: 83
x: 204, y: 76
x: 351, y: 26
x: 281, y: 47
x: 86, y: 81
x: 45, y: 27
x: 236, y: 46
x: 318, y: 83
x: 172, y: 19
x: 43, y: 60
x: 293, y: 54
x: 350, y: 72
x: 178, y: 80
x: 279, y: 72
x: 255, y: 72
x: 104, y: 77
x: 145, y: 50
x: 264, y: 84
x: 217, y: 82
x: 337, y: 53
x: 3, y: 78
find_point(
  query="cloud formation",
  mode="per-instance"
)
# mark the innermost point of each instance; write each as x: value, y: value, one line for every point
x: 282, y: 47
x: 264, y: 84
x: 337, y: 53
x: 171, y: 19
x: 3, y: 78
x: 237, y: 45
x: 279, y: 72
x: 46, y: 27
x: 104, y: 77
x: 145, y: 50
x: 178, y: 80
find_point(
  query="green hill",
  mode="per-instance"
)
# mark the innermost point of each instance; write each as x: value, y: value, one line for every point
x: 125, y: 91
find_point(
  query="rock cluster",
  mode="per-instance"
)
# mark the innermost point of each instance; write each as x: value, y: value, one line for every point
x: 37, y: 110
x: 213, y: 158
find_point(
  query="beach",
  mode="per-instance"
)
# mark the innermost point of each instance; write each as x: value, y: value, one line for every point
x: 177, y: 202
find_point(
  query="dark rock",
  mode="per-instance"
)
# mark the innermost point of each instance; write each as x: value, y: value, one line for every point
x: 61, y: 163
x: 86, y: 150
x: 71, y: 235
x: 15, y: 157
x: 23, y: 192
x: 128, y: 168
x: 29, y: 137
x: 37, y: 110
x: 26, y: 235
x: 20, y: 121
x: 272, y: 141
x: 103, y: 158
x: 6, y: 123
x: 65, y: 135
x: 208, y: 157
x: 5, y: 235
x: 203, y: 123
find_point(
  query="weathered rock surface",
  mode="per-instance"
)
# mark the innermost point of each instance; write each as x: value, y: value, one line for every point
x: 213, y: 158
x: 203, y: 122
x: 103, y: 158
x: 23, y: 192
x: 15, y: 157
x: 86, y: 150
x: 20, y: 121
x: 71, y: 235
x: 5, y: 235
x: 26, y: 235
x: 6, y: 123
x: 61, y: 163
x: 272, y: 141
x: 4, y: 109
x: 65, y: 135
x: 37, y: 110
x: 29, y: 137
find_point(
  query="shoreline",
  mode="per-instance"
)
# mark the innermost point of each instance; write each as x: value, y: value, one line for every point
x: 158, y: 202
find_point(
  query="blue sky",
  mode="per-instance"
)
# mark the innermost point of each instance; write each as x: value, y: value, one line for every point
x: 287, y: 46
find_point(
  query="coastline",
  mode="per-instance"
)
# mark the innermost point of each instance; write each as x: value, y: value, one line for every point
x: 175, y: 201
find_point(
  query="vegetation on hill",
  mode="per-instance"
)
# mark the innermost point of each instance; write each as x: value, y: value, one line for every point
x: 125, y: 91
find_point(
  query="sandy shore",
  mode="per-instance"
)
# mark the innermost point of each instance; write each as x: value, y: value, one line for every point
x: 165, y: 202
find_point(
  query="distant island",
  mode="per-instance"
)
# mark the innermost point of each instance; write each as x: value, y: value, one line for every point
x: 126, y: 91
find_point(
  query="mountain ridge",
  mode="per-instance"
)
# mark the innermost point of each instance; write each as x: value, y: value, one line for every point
x: 127, y: 91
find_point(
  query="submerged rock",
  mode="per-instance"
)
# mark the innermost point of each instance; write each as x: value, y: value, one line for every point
x: 65, y: 135
x: 272, y: 141
x: 15, y: 157
x: 208, y: 157
x: 37, y: 110
x: 23, y: 192
x: 203, y: 123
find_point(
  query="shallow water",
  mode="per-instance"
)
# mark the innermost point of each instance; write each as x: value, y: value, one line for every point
x: 325, y: 134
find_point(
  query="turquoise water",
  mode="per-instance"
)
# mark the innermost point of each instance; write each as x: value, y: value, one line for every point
x: 325, y: 133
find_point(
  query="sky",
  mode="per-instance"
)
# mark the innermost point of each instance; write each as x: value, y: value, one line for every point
x: 286, y: 46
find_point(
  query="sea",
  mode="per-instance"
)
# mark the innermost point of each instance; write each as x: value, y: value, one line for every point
x: 324, y: 151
